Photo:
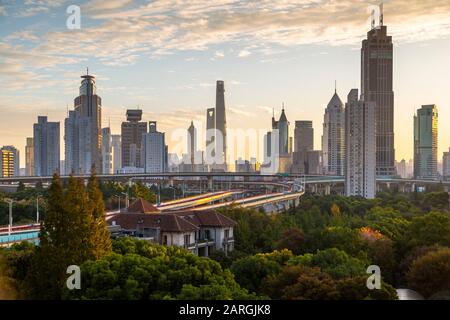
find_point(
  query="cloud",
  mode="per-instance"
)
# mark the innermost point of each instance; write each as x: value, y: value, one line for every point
x: 244, y: 53
x: 219, y: 54
x: 33, y: 7
x: 121, y: 32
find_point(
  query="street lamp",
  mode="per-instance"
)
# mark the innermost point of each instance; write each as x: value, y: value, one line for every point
x: 127, y: 200
x: 10, y: 202
x: 37, y: 209
x: 173, y: 188
x: 119, y: 200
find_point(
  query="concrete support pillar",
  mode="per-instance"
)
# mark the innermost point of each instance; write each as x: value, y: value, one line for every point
x: 413, y: 187
x: 210, y: 183
x: 171, y: 181
x: 327, y: 189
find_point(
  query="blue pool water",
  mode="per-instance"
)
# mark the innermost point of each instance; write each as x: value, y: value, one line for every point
x: 17, y: 237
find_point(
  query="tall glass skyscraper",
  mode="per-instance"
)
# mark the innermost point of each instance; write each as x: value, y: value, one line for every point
x: 377, y: 86
x: 83, y: 132
x: 333, y: 137
x: 46, y: 147
x: 426, y: 142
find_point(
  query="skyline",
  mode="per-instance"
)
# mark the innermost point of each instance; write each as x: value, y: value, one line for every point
x: 257, y: 79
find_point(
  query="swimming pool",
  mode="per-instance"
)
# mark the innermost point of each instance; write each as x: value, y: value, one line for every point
x: 20, y: 236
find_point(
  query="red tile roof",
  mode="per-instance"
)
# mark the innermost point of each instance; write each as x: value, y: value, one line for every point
x: 166, y: 222
x: 142, y: 206
x: 207, y: 218
x: 172, y: 222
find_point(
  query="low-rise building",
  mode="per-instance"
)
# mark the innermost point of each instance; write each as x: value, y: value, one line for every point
x: 200, y: 232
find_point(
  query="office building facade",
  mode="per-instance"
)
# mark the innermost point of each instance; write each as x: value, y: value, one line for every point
x: 333, y: 144
x: 29, y: 157
x: 426, y: 142
x: 46, y: 147
x: 154, y: 154
x: 360, y: 148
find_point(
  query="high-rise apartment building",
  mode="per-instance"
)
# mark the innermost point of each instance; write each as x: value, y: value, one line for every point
x: 107, y: 153
x: 9, y: 162
x: 83, y: 135
x: 132, y: 131
x: 303, y: 143
x: 154, y: 153
x: 333, y: 143
x: 116, y: 144
x: 29, y: 158
x: 446, y: 165
x: 360, y: 149
x: 426, y: 142
x: 46, y: 147
x: 377, y: 86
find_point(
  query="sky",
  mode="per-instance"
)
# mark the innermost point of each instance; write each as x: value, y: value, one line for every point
x: 165, y: 57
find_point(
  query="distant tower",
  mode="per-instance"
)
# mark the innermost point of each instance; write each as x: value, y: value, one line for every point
x: 360, y: 150
x: 333, y: 137
x: 377, y: 86
x: 283, y: 129
x: 210, y: 131
x: 221, y: 122
x: 83, y: 133
x: 154, y: 150
x: 29, y: 157
x: 192, y: 144
x: 46, y: 147
x: 426, y: 142
x: 131, y: 133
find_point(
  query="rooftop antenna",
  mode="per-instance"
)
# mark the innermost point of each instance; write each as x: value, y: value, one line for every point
x: 87, y: 71
x: 335, y: 86
x: 67, y: 109
x: 273, y: 112
x: 282, y: 106
x: 381, y: 14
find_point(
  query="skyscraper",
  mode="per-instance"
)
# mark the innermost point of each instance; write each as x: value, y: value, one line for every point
x: 221, y: 122
x: 360, y: 149
x: 210, y: 131
x: 132, y: 132
x: 46, y: 147
x: 283, y: 129
x: 116, y: 143
x: 9, y: 162
x: 107, y: 154
x: 446, y: 165
x: 192, y: 144
x: 333, y: 137
x: 426, y: 142
x: 377, y: 86
x: 154, y: 150
x: 29, y: 157
x: 303, y: 143
x: 83, y: 135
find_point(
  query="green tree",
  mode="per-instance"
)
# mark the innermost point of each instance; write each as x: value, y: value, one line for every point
x: 430, y: 274
x: 335, y: 262
x: 139, y: 190
x: 55, y: 253
x: 250, y: 271
x: 101, y: 235
x: 432, y: 228
x: 291, y: 239
x: 356, y: 289
x: 140, y: 270
x: 300, y: 283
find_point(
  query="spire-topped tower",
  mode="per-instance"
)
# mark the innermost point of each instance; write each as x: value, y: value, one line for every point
x: 377, y: 86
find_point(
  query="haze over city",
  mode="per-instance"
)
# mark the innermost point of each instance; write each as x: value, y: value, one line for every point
x: 165, y: 56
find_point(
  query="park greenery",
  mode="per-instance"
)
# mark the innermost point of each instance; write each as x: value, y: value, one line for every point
x: 318, y: 250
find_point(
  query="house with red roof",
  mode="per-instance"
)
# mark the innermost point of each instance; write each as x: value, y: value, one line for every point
x: 200, y: 232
